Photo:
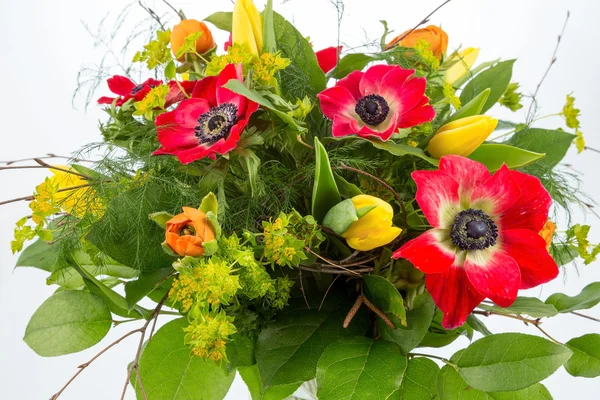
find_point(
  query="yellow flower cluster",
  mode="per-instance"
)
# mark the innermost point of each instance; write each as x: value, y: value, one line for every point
x: 208, y: 335
x: 281, y: 247
x: 236, y: 54
x: 424, y: 51
x: 153, y: 102
x: 267, y: 66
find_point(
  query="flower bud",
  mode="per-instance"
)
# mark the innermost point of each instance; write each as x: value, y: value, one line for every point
x: 461, y: 137
x: 184, y: 29
x: 186, y: 232
x: 466, y: 59
x: 434, y: 35
x: 247, y: 26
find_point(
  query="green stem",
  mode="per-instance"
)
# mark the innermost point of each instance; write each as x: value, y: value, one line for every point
x: 444, y: 360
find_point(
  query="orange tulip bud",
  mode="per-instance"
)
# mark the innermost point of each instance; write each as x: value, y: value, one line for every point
x: 186, y: 232
x: 434, y: 35
x: 184, y: 29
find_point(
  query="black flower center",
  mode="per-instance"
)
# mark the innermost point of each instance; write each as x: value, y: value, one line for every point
x: 137, y: 89
x: 372, y: 109
x: 473, y: 230
x: 216, y: 123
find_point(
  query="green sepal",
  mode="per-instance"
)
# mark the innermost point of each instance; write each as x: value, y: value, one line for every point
x: 341, y: 216
x: 361, y: 212
x: 214, y: 221
x: 211, y: 247
x: 325, y: 191
x: 209, y: 203
x: 161, y: 218
x: 168, y: 249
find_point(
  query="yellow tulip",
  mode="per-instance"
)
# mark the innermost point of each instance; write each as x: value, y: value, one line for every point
x: 73, y: 201
x: 461, y: 137
x: 247, y: 27
x: 374, y: 229
x: 466, y: 59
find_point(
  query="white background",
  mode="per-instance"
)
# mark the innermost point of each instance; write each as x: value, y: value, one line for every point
x: 45, y: 44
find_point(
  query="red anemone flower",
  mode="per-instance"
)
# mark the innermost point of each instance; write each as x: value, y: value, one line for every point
x: 126, y: 89
x: 179, y: 91
x: 207, y: 124
x: 328, y: 58
x: 485, y: 239
x: 376, y: 102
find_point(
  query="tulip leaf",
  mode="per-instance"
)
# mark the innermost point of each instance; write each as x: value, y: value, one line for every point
x: 419, y: 382
x: 554, y: 144
x: 325, y: 191
x: 350, y: 63
x: 67, y: 322
x: 531, y: 306
x: 401, y: 150
x: 472, y: 108
x: 585, y: 360
x: 385, y: 296
x: 496, y: 78
x: 341, y: 216
x: 493, y: 155
x: 418, y: 320
x: 222, y: 20
x: 510, y: 361
x: 588, y: 298
x: 269, y: 43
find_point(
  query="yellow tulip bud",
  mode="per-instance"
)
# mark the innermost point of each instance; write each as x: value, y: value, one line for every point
x: 461, y: 137
x: 247, y: 28
x: 466, y: 59
x: 373, y: 229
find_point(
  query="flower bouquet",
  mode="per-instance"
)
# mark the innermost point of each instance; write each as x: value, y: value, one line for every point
x: 312, y: 217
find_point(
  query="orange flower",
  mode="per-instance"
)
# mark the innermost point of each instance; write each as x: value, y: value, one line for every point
x: 187, y: 231
x: 184, y: 29
x: 547, y: 233
x: 434, y: 35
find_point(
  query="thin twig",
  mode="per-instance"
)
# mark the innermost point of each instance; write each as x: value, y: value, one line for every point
x: 179, y: 13
x: 379, y: 313
x: 329, y: 261
x: 585, y: 316
x: 436, y: 357
x: 327, y: 291
x: 302, y: 288
x: 591, y: 149
x: 353, y: 311
x: 517, y: 317
x: 29, y: 198
x: 423, y: 22
x: 333, y: 271
x: 152, y: 14
x: 48, y: 156
x: 72, y: 171
x: 546, y: 334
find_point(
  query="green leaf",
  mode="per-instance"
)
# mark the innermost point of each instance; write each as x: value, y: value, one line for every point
x: 351, y: 63
x: 493, y: 155
x: 588, y: 298
x: 67, y: 322
x: 437, y: 336
x: 585, y: 360
x: 531, y: 306
x: 450, y: 386
x: 496, y: 78
x: 385, y: 296
x: 401, y: 150
x: 251, y: 377
x: 360, y: 368
x: 510, y: 361
x: 40, y: 255
x: 288, y: 350
x: 341, y: 216
x: 472, y: 108
x: 161, y: 218
x: 347, y: 189
x: 417, y: 323
x: 269, y: 43
x: 251, y: 163
x: 169, y: 369
x: 477, y: 325
x: 138, y: 289
x: 170, y: 71
x: 222, y: 20
x: 210, y: 203
x: 552, y: 143
x: 325, y: 191
x: 419, y: 380
x: 69, y: 278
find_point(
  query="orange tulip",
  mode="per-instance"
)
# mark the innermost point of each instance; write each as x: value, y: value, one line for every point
x: 184, y: 29
x: 434, y: 35
x: 186, y: 232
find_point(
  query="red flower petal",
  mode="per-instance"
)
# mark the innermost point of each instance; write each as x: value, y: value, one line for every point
x: 437, y: 195
x: 468, y: 173
x: 371, y: 81
x: 120, y: 85
x: 531, y: 209
x: 496, y: 194
x: 352, y: 83
x: 528, y: 249
x: 454, y: 294
x: 337, y: 101
x: 173, y: 135
x: 189, y: 111
x: 193, y: 154
x: 427, y: 252
x: 494, y: 274
x: 106, y: 100
x: 328, y: 58
x: 175, y: 94
x: 206, y: 89
x: 344, y: 126
x: 417, y: 116
x: 225, y: 95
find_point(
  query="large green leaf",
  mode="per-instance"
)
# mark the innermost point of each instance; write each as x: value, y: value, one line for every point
x: 67, y: 322
x: 496, y: 78
x: 69, y: 278
x: 585, y: 360
x: 169, y: 369
x: 385, y: 296
x: 510, y: 361
x: 360, y: 368
x: 472, y: 108
x: 493, y: 155
x: 552, y: 143
x: 450, y: 386
x: 325, y: 191
x: 350, y: 63
x: 531, y: 306
x: 401, y: 150
x: 419, y: 380
x: 417, y: 323
x: 588, y: 298
x: 146, y: 283
x: 303, y: 77
x: 40, y: 255
x: 251, y: 377
x: 287, y: 350
x: 222, y: 20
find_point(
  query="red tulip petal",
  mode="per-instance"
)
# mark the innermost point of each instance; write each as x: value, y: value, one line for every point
x: 352, y: 83
x: 468, y: 173
x: 337, y: 101
x: 531, y: 209
x: 120, y: 85
x: 371, y: 81
x: 494, y: 274
x: 454, y: 294
x: 528, y: 249
x: 429, y: 252
x: 206, y: 89
x: 437, y: 195
x: 417, y: 116
x: 328, y: 58
x: 497, y: 194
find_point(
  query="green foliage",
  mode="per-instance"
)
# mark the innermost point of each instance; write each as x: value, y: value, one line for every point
x: 137, y: 289
x: 493, y: 155
x: 359, y: 368
x: 585, y: 360
x: 577, y: 240
x: 401, y: 150
x: 588, y: 298
x: 325, y: 191
x: 157, y: 52
x: 222, y: 20
x: 510, y: 361
x: 251, y: 377
x: 524, y: 305
x: 385, y: 296
x: 350, y: 63
x: 511, y: 99
x: 552, y: 143
x: 41, y: 255
x: 496, y: 78
x: 67, y: 322
x: 419, y: 380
